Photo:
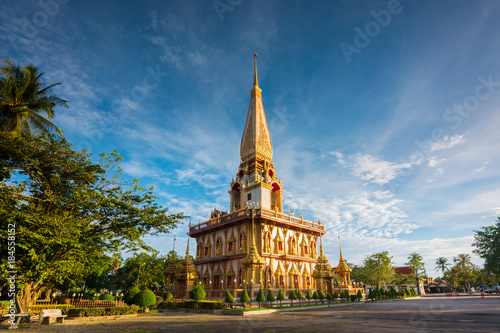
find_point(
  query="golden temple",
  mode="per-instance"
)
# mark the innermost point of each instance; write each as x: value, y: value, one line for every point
x: 255, y: 244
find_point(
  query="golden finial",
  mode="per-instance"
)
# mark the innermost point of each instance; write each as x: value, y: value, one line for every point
x: 189, y: 233
x: 340, y: 248
x: 321, y: 246
x: 255, y: 80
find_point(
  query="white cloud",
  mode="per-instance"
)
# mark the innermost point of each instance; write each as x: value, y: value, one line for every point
x: 446, y: 143
x: 483, y: 166
x: 377, y: 171
x: 356, y: 247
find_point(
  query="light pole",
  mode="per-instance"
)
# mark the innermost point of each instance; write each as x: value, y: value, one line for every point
x: 73, y: 299
x: 234, y: 287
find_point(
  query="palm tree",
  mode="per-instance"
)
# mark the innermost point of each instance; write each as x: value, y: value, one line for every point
x: 442, y: 264
x: 24, y: 103
x: 463, y: 263
x: 415, y: 260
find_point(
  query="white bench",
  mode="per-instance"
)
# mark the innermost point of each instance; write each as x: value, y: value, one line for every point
x: 14, y: 324
x: 49, y: 316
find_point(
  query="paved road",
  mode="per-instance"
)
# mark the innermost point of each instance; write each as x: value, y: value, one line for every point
x: 429, y: 314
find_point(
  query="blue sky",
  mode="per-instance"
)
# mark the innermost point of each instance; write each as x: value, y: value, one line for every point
x: 383, y: 114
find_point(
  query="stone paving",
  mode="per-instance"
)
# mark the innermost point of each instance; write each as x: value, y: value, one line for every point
x: 428, y: 314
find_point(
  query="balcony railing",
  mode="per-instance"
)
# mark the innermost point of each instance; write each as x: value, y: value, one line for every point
x: 259, y: 212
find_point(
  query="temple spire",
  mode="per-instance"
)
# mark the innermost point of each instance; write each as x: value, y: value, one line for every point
x: 255, y: 80
x: 340, y: 248
x: 187, y: 247
x: 322, y: 253
x: 256, y: 140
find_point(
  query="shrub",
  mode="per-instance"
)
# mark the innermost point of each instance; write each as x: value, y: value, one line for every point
x: 211, y: 305
x: 107, y: 297
x: 292, y: 296
x: 321, y: 295
x: 299, y: 295
x: 309, y: 296
x: 359, y: 295
x: 260, y: 297
x: 329, y: 297
x: 145, y: 298
x: 74, y: 291
x: 353, y: 298
x: 280, y: 296
x: 89, y: 294
x: 335, y: 295
x: 61, y: 307
x: 244, y: 297
x: 315, y: 295
x: 270, y: 297
x: 197, y: 293
x: 93, y: 312
x: 168, y: 295
x: 129, y: 296
x: 229, y: 298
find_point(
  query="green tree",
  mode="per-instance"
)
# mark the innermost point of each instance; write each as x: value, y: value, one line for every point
x: 329, y: 297
x: 378, y: 268
x: 299, y: 295
x: 280, y: 296
x: 487, y: 246
x: 464, y: 268
x: 260, y: 297
x: 145, y: 298
x: 129, y: 295
x: 335, y: 295
x: 197, y: 293
x: 292, y: 296
x: 143, y: 270
x: 107, y: 297
x: 229, y: 298
x: 315, y: 296
x: 321, y: 296
x: 415, y: 261
x: 69, y: 213
x: 359, y: 295
x: 244, y: 297
x: 270, y: 297
x: 26, y: 105
x: 442, y: 264
x: 309, y: 296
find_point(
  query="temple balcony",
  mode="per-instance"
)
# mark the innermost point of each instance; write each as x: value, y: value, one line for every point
x: 279, y: 219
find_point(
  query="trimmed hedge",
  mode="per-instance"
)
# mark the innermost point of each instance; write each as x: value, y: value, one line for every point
x: 145, y: 298
x: 129, y: 295
x: 211, y: 305
x: 107, y: 297
x: 96, y: 312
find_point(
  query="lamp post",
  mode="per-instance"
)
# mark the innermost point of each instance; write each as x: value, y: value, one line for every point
x: 251, y: 288
x: 54, y: 297
x: 73, y: 299
x: 221, y: 288
x: 234, y: 288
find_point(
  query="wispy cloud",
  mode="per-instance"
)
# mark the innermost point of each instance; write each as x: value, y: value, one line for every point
x: 375, y: 170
